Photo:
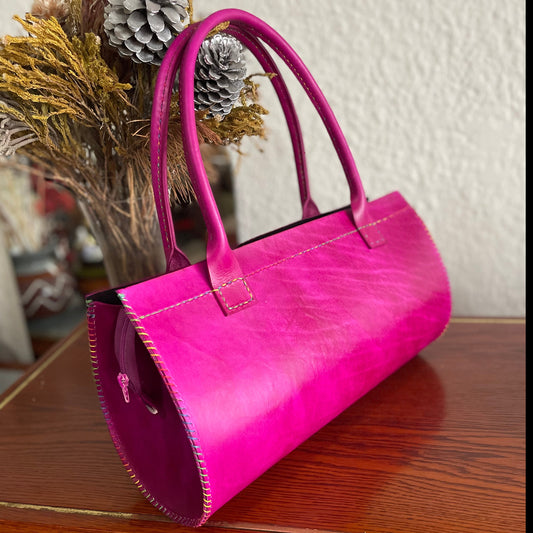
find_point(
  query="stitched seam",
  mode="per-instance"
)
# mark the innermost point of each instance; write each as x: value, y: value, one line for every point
x: 178, y: 304
x: 330, y: 241
x: 318, y: 104
x: 190, y: 429
x: 91, y: 321
x: 379, y: 240
x: 231, y: 307
x: 291, y: 66
x: 443, y: 267
x: 276, y: 263
x: 159, y: 169
x: 290, y: 118
x: 166, y: 229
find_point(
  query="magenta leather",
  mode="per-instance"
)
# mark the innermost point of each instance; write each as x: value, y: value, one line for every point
x: 211, y: 373
x: 175, y: 258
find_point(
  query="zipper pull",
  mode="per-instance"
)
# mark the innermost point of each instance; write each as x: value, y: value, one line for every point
x: 123, y: 381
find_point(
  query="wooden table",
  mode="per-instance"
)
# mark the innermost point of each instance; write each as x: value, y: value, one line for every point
x: 438, y: 447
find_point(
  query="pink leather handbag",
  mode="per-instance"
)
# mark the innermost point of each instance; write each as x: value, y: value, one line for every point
x: 211, y: 373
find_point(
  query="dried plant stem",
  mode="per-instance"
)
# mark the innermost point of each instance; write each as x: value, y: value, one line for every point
x: 73, y: 106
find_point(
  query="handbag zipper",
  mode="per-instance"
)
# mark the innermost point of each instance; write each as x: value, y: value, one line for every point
x: 123, y: 381
x: 126, y: 346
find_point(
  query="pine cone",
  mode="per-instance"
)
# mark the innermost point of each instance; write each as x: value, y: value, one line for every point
x: 219, y: 74
x: 144, y: 29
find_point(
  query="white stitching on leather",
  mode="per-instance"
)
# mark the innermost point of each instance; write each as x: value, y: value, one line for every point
x: 276, y: 263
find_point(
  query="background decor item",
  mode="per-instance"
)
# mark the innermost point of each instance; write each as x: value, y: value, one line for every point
x: 34, y: 221
x: 46, y: 286
x: 15, y: 345
x: 143, y: 29
x: 126, y: 255
x: 219, y: 75
x: 24, y: 227
x: 74, y: 100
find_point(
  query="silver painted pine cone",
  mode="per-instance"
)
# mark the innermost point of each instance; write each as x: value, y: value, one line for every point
x: 144, y: 29
x: 219, y: 74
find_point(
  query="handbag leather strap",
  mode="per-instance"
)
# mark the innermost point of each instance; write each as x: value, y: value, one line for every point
x: 227, y: 280
x: 309, y: 208
x: 175, y: 258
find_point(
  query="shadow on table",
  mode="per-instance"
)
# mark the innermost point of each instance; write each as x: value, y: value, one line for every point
x: 339, y: 470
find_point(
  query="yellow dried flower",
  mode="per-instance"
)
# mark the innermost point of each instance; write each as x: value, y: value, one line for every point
x: 70, y: 104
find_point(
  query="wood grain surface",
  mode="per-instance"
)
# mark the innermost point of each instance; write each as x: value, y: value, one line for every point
x: 437, y: 447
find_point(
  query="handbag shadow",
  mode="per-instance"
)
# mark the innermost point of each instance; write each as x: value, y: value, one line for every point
x: 341, y: 468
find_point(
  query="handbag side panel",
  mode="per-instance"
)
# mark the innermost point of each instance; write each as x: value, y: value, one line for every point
x: 154, y: 447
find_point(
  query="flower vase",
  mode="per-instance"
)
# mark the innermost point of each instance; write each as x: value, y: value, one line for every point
x: 127, y: 232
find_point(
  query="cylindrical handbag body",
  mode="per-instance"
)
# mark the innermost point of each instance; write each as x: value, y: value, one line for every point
x: 210, y: 374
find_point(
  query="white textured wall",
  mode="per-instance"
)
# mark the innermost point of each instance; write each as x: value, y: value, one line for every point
x: 10, y: 8
x: 430, y: 94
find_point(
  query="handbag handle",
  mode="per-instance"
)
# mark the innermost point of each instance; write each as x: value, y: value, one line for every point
x: 227, y: 280
x: 176, y: 259
x: 309, y: 208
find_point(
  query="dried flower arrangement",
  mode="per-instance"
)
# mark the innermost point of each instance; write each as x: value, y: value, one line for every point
x: 75, y: 98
